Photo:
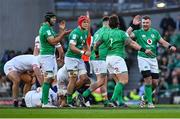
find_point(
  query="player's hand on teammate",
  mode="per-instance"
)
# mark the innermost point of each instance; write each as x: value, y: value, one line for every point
x: 149, y: 52
x: 137, y: 20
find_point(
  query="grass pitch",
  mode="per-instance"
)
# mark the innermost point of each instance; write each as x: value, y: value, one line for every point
x: 161, y: 111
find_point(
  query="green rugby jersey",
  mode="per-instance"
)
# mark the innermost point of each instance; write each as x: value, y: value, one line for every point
x: 46, y: 48
x: 115, y: 42
x: 148, y: 40
x: 79, y: 37
x: 102, y: 48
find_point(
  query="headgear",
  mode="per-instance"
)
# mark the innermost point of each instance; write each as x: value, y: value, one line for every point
x: 48, y: 16
x: 81, y: 19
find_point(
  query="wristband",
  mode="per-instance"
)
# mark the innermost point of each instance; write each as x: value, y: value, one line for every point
x: 169, y: 46
x: 142, y: 49
x: 58, y: 45
x: 133, y: 26
x: 96, y: 52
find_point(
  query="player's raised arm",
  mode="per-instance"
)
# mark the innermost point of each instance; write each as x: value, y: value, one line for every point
x: 62, y: 32
x: 136, y: 22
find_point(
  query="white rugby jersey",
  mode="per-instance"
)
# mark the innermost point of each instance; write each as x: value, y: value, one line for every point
x: 33, y: 98
x: 24, y: 62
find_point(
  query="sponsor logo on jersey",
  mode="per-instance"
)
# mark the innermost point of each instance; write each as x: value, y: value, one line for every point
x: 143, y: 36
x: 152, y: 35
x: 49, y: 32
x: 149, y: 41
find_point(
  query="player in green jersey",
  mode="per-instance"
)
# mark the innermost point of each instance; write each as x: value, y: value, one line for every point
x: 148, y: 37
x: 116, y: 40
x: 73, y: 62
x: 48, y: 40
x: 99, y: 63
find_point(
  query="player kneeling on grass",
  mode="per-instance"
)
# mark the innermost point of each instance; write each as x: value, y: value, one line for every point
x: 15, y: 69
x: 62, y: 79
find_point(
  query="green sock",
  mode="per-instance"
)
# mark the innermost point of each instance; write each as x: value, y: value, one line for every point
x: 120, y: 97
x: 106, y: 102
x: 116, y: 92
x: 86, y: 93
x: 145, y: 97
x: 69, y: 98
x: 45, y: 92
x: 148, y: 93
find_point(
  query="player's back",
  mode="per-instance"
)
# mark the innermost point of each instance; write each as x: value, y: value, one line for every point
x: 25, y: 62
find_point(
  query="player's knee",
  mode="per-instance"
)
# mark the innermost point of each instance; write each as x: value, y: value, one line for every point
x: 155, y: 75
x: 146, y: 73
x: 73, y: 74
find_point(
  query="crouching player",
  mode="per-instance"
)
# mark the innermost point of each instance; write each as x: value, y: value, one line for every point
x: 18, y: 66
x: 62, y: 79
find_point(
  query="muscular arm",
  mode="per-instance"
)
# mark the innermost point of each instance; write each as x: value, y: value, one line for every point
x: 136, y: 46
x: 130, y: 33
x: 164, y: 43
x: 132, y: 44
x: 38, y: 74
x: 55, y: 40
x: 97, y: 44
x: 60, y: 50
x: 136, y: 22
x: 74, y: 48
x: 167, y: 45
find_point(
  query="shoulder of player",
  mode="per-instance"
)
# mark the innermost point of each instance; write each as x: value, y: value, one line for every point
x: 138, y: 30
x: 75, y: 31
x: 154, y: 30
x: 117, y: 30
x: 45, y: 28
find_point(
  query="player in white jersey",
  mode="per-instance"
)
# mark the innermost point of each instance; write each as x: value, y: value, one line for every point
x: 33, y: 98
x: 18, y: 66
x: 62, y: 81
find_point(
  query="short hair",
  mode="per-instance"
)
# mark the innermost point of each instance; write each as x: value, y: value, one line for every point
x: 105, y: 18
x: 113, y: 21
x: 146, y: 17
